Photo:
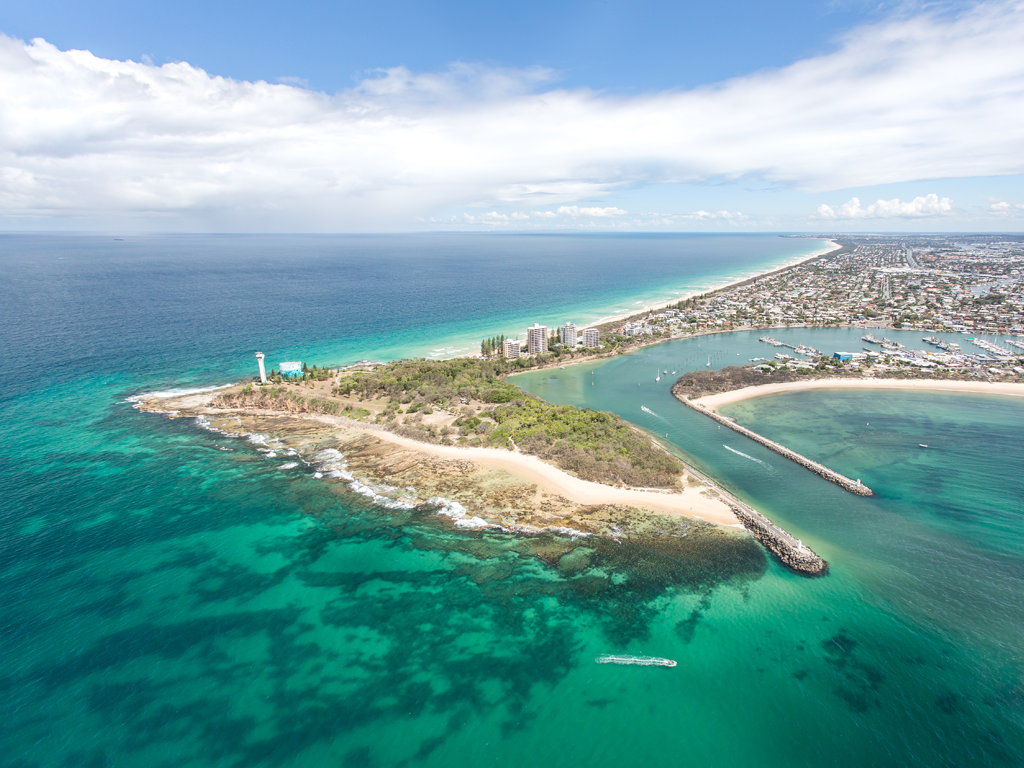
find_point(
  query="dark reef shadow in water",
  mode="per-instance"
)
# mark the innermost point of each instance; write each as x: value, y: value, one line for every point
x: 494, y: 587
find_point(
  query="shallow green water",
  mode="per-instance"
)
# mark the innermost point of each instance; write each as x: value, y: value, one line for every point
x: 923, y: 608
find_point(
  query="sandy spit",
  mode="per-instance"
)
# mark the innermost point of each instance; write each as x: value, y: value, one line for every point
x: 688, y: 503
x: 924, y: 385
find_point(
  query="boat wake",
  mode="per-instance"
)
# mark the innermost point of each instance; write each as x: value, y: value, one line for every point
x: 642, y: 661
x: 745, y: 456
x: 645, y: 409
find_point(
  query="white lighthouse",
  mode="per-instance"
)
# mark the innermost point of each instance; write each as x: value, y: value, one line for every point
x: 263, y: 373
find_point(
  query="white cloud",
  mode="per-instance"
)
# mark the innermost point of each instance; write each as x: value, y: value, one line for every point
x: 97, y: 140
x: 1004, y: 209
x: 574, y: 216
x: 919, y: 207
x: 574, y: 211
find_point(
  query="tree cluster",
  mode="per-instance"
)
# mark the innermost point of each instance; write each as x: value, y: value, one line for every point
x: 492, y: 346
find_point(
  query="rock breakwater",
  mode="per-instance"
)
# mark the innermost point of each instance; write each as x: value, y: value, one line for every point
x: 790, y: 551
x: 853, y: 486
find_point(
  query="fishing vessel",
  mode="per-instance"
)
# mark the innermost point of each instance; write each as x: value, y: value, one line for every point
x: 642, y: 661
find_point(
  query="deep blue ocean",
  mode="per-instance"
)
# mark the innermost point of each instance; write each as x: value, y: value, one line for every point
x: 168, y: 602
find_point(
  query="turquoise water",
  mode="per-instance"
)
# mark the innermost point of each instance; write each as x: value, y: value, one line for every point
x: 923, y: 602
x: 172, y: 597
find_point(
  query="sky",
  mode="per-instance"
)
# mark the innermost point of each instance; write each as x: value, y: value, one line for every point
x: 409, y: 116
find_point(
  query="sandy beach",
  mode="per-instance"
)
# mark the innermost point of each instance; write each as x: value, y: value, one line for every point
x: 830, y: 246
x: 552, y: 486
x: 691, y: 502
x: 924, y: 385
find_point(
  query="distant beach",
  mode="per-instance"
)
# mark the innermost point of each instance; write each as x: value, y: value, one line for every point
x: 829, y: 247
x: 964, y: 387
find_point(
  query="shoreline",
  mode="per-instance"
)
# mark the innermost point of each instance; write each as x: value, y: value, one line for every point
x: 552, y: 479
x: 1007, y: 389
x: 831, y: 247
x: 553, y: 493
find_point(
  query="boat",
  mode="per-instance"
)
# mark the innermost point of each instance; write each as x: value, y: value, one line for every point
x: 642, y: 661
x: 870, y: 338
x: 922, y: 445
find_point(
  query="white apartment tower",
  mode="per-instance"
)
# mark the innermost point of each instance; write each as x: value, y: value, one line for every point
x: 537, y: 339
x: 263, y: 372
x: 569, y: 334
x: 510, y: 349
x: 591, y: 337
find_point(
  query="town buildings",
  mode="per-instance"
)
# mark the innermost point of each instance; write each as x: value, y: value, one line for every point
x: 591, y: 337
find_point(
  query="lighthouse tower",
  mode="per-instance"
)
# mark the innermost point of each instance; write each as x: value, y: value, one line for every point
x: 263, y: 373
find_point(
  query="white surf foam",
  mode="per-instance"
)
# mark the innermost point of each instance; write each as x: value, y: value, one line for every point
x: 163, y: 394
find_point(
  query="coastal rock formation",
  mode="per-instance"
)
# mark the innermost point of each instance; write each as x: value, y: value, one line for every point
x: 853, y: 486
x: 791, y: 552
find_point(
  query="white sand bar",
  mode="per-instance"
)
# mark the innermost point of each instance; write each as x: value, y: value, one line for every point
x: 923, y: 385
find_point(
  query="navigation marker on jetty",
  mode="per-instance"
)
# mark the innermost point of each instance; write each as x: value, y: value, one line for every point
x: 263, y: 373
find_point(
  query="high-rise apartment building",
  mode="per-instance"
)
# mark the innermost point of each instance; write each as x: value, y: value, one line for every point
x: 537, y: 339
x: 569, y: 335
x: 591, y: 337
x: 510, y: 349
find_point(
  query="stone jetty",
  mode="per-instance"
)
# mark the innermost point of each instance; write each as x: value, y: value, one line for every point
x: 789, y: 550
x: 853, y: 486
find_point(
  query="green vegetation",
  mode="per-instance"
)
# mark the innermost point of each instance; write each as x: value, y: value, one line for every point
x: 492, y: 346
x: 279, y: 399
x: 592, y: 445
x: 442, y: 383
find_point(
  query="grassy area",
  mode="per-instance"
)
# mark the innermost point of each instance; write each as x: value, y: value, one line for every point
x: 468, y: 402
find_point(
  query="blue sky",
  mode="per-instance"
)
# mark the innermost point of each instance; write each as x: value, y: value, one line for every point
x: 402, y: 116
x: 631, y: 46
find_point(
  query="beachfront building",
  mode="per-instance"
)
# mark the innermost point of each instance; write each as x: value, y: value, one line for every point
x: 510, y: 349
x: 569, y: 335
x: 591, y: 337
x: 537, y: 339
x: 291, y: 368
x: 635, y: 329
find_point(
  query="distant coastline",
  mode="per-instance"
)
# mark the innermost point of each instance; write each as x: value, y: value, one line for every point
x: 830, y: 248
